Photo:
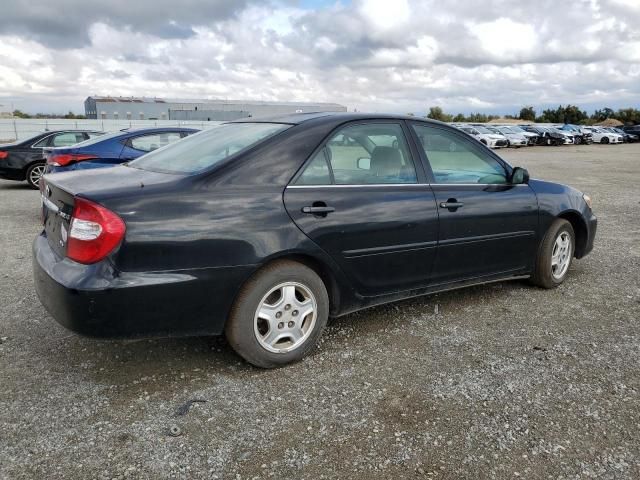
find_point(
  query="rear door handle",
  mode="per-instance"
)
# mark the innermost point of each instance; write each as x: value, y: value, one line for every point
x: 452, y: 204
x: 318, y: 210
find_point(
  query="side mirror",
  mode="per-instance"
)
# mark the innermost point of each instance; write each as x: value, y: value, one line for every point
x: 364, y: 163
x: 519, y: 175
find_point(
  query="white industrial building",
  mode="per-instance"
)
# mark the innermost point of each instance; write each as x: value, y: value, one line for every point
x: 146, y: 108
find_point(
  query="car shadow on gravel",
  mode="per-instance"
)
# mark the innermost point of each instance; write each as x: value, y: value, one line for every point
x: 122, y: 362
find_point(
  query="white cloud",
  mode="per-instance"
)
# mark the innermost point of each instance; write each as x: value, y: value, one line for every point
x: 370, y: 54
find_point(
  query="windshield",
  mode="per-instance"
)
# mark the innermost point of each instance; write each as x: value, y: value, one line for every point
x: 203, y: 150
x: 516, y: 129
x: 482, y: 129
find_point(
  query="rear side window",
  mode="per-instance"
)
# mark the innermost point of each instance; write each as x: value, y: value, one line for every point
x: 148, y: 143
x: 363, y: 154
x: 202, y: 150
x: 67, y: 139
x: 455, y: 160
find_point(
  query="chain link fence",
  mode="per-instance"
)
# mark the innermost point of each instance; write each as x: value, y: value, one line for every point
x: 12, y: 129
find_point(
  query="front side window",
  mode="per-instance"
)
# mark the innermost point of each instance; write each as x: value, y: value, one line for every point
x: 455, y: 160
x: 202, y: 150
x: 365, y: 154
x: 149, y: 143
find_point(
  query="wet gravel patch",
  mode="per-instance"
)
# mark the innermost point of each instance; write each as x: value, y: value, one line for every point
x: 499, y: 381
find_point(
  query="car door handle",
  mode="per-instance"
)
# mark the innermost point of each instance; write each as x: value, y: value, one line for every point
x: 318, y: 210
x: 451, y: 204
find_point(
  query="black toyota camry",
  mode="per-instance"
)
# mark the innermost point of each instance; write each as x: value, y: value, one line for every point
x: 263, y: 229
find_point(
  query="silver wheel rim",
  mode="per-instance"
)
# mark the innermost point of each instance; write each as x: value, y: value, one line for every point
x: 561, y: 255
x: 285, y: 317
x: 35, y: 174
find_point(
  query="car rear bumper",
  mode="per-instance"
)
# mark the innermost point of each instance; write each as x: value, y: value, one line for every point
x: 96, y: 301
x: 8, y: 173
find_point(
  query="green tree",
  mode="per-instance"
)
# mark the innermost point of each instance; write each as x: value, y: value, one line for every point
x: 20, y: 114
x: 528, y: 113
x: 459, y: 118
x: 436, y: 113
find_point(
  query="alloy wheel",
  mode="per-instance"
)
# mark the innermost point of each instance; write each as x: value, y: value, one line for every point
x: 561, y: 255
x: 285, y: 317
x: 35, y: 174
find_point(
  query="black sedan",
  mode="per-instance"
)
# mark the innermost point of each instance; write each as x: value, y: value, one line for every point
x: 25, y: 159
x: 264, y: 229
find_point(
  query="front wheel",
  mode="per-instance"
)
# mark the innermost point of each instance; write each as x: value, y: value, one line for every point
x: 279, y: 315
x: 604, y: 140
x: 554, y: 255
x: 34, y: 174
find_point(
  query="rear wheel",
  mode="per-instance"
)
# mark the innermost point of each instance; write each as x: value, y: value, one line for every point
x: 34, y: 173
x: 279, y: 315
x: 554, y: 255
x: 577, y: 140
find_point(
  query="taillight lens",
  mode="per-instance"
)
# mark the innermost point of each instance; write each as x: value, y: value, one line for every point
x: 64, y: 159
x: 3, y: 154
x: 95, y: 232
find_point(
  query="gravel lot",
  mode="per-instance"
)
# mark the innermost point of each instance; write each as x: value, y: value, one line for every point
x: 499, y: 381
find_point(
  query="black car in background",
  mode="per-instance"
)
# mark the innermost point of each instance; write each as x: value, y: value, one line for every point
x: 25, y: 159
x: 263, y: 229
x: 632, y: 129
x: 627, y: 136
x: 546, y: 136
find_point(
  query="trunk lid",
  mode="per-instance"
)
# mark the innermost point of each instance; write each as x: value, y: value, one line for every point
x: 57, y: 208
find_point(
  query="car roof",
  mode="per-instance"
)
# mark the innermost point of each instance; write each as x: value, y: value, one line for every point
x: 331, y: 117
x: 158, y: 129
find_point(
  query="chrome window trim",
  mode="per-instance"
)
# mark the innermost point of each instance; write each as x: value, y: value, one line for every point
x: 411, y: 185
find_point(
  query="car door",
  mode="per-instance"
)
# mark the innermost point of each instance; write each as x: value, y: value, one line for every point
x: 361, y: 198
x: 487, y: 226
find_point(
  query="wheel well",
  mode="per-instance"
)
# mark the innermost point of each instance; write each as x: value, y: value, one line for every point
x: 323, y: 272
x: 580, y: 230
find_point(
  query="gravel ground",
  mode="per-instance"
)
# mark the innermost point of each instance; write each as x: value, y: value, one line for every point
x: 499, y: 381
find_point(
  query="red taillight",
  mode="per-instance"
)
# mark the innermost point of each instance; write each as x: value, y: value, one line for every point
x: 95, y: 232
x: 65, y: 159
x: 3, y: 155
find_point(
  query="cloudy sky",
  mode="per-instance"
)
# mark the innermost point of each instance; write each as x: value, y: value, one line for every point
x: 373, y: 55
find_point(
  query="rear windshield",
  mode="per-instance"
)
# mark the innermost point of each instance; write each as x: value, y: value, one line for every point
x: 203, y: 150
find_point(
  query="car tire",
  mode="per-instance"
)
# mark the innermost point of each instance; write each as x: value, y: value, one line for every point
x: 268, y: 326
x: 577, y: 141
x: 34, y: 173
x: 604, y: 140
x: 555, y: 255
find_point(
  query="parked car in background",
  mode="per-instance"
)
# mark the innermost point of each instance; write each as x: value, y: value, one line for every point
x: 600, y: 135
x: 484, y: 136
x: 24, y: 160
x: 532, y: 138
x: 263, y: 230
x: 515, y: 139
x: 633, y: 129
x: 626, y: 137
x: 580, y: 134
x: 112, y: 149
x: 546, y: 136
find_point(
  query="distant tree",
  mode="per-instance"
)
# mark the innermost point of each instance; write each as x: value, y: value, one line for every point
x: 460, y: 118
x: 528, y: 113
x: 436, y: 113
x: 20, y: 114
x: 601, y: 115
x: 628, y: 115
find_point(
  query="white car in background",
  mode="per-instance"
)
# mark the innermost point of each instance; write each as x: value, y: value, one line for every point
x: 532, y: 138
x: 600, y: 135
x: 484, y: 135
x: 515, y: 139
